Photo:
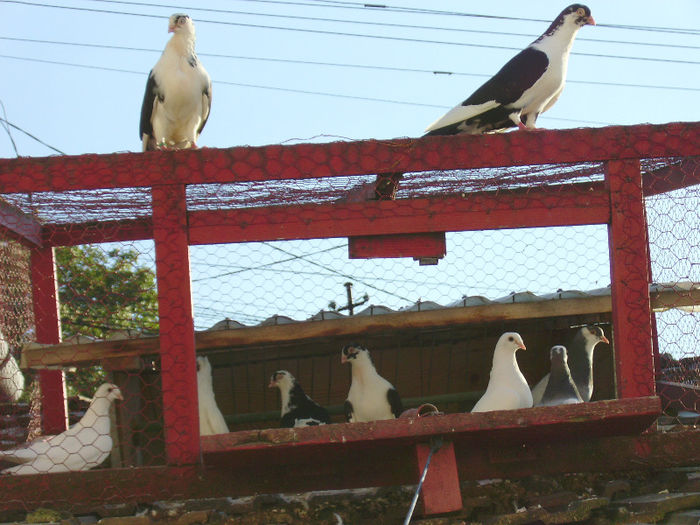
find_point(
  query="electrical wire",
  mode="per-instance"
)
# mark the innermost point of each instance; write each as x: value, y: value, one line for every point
x: 360, y: 35
x: 334, y: 64
x: 7, y: 122
x: 385, y: 24
x: 6, y: 126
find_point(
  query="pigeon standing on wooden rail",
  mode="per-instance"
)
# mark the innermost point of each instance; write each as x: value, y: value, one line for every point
x: 507, y: 388
x: 211, y: 420
x: 83, y: 446
x: 11, y: 377
x: 177, y: 100
x: 561, y: 389
x: 580, y: 356
x: 298, y: 409
x: 528, y: 85
x: 371, y: 397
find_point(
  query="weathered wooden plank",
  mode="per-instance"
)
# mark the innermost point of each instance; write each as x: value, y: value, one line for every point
x: 302, y: 161
x: 416, y: 245
x: 441, y: 491
x: 38, y: 356
x: 18, y: 225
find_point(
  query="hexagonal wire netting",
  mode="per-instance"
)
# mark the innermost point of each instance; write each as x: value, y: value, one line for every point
x: 279, y: 288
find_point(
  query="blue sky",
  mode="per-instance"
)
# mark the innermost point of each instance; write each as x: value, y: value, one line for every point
x: 259, y: 100
x: 75, y: 91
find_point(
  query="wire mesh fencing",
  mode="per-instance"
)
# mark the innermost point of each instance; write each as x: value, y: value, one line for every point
x: 310, y: 250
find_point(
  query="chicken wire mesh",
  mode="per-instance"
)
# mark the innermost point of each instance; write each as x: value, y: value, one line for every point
x: 261, y: 283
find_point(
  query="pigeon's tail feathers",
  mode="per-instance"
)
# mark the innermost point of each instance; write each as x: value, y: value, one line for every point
x: 460, y: 114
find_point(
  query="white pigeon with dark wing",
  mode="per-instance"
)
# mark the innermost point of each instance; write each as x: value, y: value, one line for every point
x: 561, y: 389
x: 211, y: 420
x: 507, y: 388
x: 177, y: 100
x: 11, y: 377
x: 528, y: 85
x: 580, y: 359
x: 371, y: 397
x: 298, y: 409
x: 85, y: 445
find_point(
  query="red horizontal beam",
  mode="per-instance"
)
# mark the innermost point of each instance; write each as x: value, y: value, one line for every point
x: 679, y: 175
x: 417, y: 245
x: 565, y: 206
x: 303, y: 161
x: 18, y: 225
x: 96, y: 232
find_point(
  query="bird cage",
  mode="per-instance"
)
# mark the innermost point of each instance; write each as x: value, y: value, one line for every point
x: 398, y: 205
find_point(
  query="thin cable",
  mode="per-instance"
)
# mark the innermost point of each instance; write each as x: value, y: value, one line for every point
x: 7, y: 128
x: 385, y: 24
x: 335, y: 64
x: 289, y: 90
x: 360, y: 35
x: 33, y: 137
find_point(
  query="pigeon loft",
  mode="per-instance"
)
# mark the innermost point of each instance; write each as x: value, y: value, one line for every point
x: 250, y: 250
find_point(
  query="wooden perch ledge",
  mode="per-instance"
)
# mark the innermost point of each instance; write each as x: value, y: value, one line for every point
x: 124, y: 352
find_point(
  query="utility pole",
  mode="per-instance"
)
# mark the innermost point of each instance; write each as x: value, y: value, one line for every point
x: 350, y: 307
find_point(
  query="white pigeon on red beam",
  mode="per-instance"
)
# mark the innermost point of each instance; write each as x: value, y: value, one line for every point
x: 507, y: 388
x: 580, y: 358
x: 11, y: 377
x: 528, y: 85
x: 85, y: 445
x: 211, y: 420
x: 298, y: 409
x: 177, y: 100
x: 561, y: 389
x: 371, y: 397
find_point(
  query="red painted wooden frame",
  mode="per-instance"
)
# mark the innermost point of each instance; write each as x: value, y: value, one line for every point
x: 618, y: 203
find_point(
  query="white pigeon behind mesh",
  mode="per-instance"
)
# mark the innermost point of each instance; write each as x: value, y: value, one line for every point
x: 85, y: 445
x: 211, y: 420
x: 507, y: 388
x: 11, y: 377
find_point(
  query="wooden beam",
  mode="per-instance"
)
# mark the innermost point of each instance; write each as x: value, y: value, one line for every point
x: 18, y: 225
x: 629, y: 275
x: 304, y: 161
x: 41, y: 356
x: 678, y: 175
x: 97, y: 232
x: 416, y: 245
x: 565, y: 206
x: 176, y: 325
x: 54, y: 408
x: 441, y: 491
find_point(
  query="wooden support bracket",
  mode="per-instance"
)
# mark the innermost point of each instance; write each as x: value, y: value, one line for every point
x: 440, y: 492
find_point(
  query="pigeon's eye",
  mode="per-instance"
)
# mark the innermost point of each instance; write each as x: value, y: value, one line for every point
x: 581, y: 12
x: 511, y: 339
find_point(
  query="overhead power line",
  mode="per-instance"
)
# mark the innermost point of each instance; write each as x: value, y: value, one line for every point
x: 336, y: 64
x: 389, y: 24
x: 359, y: 35
x: 377, y: 7
x: 284, y: 89
x: 7, y: 122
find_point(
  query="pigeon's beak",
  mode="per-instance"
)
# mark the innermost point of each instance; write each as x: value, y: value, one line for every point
x: 171, y: 28
x: 119, y: 396
x: 272, y: 384
x: 605, y: 340
x: 591, y: 21
x: 522, y: 346
x: 343, y: 359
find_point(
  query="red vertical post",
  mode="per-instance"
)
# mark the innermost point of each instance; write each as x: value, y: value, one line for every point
x: 440, y: 492
x: 177, y: 350
x: 629, y: 273
x: 54, y: 412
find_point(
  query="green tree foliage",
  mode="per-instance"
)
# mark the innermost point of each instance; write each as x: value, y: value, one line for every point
x: 102, y: 292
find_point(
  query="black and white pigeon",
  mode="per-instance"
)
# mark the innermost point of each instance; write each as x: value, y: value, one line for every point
x: 211, y: 420
x: 11, y: 377
x: 298, y: 409
x: 85, y: 445
x: 528, y: 85
x: 177, y: 100
x: 371, y: 397
x: 507, y: 388
x: 561, y: 389
x: 580, y: 356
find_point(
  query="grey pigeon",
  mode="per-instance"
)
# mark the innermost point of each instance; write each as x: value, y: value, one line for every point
x: 580, y: 354
x: 561, y: 389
